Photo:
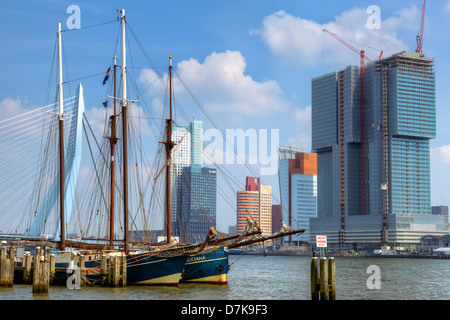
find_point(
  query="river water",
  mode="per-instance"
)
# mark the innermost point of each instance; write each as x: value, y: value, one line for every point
x: 254, y: 277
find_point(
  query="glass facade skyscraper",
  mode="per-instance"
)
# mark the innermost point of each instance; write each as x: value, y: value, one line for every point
x: 197, y: 202
x: 193, y: 188
x: 399, y: 121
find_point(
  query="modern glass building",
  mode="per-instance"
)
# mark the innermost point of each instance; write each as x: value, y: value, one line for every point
x: 187, y: 152
x: 197, y: 202
x: 297, y: 175
x: 399, y: 120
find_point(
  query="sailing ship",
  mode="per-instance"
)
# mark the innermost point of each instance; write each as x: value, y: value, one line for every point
x: 167, y: 263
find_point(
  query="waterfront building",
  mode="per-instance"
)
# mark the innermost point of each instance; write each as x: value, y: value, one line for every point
x: 276, y: 218
x: 252, y: 183
x: 297, y: 176
x: 288, y: 152
x: 188, y: 151
x: 265, y: 209
x: 256, y: 201
x: 247, y: 205
x: 374, y: 166
x: 197, y: 203
x: 440, y: 210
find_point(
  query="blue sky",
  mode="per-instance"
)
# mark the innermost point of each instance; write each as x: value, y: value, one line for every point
x: 250, y: 63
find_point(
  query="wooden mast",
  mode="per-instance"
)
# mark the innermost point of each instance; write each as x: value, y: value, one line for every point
x: 113, y: 140
x: 62, y: 173
x: 169, y: 146
x: 124, y: 134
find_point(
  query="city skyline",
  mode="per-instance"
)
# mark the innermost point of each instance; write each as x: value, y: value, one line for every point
x: 373, y: 159
x: 254, y: 73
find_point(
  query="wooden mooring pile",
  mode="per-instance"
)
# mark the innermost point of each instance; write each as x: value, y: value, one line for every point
x: 41, y: 269
x: 323, y: 279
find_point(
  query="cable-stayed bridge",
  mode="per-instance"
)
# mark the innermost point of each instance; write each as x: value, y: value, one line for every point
x: 29, y: 170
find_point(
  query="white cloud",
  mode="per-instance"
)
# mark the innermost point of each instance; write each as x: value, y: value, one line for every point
x: 220, y: 83
x: 10, y: 107
x: 302, y: 115
x: 303, y: 41
x: 447, y: 6
x: 98, y: 119
x: 441, y: 155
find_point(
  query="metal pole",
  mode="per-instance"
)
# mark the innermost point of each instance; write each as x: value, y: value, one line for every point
x: 125, y: 129
x: 62, y: 173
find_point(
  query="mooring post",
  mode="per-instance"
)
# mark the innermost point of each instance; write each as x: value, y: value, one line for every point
x: 81, y: 265
x: 6, y: 273
x: 111, y: 269
x: 104, y: 271
x: 12, y: 256
x: 41, y: 272
x: 123, y: 270
x: 314, y: 279
x: 27, y: 268
x: 323, y: 279
x: 114, y: 262
x: 332, y: 278
x: 52, y: 268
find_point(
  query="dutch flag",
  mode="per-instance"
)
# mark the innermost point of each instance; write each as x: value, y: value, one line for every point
x: 106, y: 76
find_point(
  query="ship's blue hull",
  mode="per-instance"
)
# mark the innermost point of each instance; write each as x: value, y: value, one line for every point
x: 150, y: 269
x: 146, y: 268
x: 208, y: 268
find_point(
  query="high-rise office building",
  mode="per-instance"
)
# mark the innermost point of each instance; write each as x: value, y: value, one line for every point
x: 181, y: 158
x: 387, y: 200
x: 265, y: 209
x: 197, y: 203
x: 297, y: 175
x: 247, y: 205
x: 255, y: 201
x: 188, y: 153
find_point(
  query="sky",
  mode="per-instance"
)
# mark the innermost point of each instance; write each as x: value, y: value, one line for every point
x: 249, y: 63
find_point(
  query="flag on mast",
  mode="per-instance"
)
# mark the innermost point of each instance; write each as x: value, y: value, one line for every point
x: 105, y: 80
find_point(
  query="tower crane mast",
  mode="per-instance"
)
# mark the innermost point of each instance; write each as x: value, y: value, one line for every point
x: 419, y: 38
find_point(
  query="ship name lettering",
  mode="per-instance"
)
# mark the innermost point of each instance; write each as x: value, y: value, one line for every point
x: 194, y: 259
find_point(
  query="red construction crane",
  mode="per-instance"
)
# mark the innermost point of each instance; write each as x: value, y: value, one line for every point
x: 363, y: 127
x: 419, y: 38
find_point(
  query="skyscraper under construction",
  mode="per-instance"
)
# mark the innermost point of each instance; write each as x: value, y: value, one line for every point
x: 374, y: 162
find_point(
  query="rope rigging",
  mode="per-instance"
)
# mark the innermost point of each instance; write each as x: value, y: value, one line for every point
x: 31, y: 165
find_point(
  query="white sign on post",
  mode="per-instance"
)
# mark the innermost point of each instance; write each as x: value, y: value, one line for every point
x: 321, y: 241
